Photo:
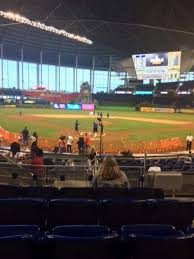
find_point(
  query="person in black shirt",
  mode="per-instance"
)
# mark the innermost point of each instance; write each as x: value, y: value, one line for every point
x: 76, y: 126
x: 15, y: 148
x: 80, y: 144
x: 92, y: 155
x: 101, y: 128
x: 95, y: 128
x: 25, y: 135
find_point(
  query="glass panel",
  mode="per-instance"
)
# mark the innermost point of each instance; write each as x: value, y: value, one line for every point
x: 45, y: 75
x: 69, y: 79
x: 12, y: 73
x: 51, y: 77
x: 32, y: 75
x: 100, y: 81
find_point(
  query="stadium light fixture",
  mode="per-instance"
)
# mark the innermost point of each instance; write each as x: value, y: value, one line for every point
x: 23, y: 20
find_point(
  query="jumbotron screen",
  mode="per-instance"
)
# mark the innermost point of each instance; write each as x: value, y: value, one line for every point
x: 161, y: 65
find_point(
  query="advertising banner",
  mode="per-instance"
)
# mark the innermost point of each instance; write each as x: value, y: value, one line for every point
x: 167, y: 110
x: 157, y: 109
x: 73, y: 106
x: 187, y: 110
x: 87, y: 107
x: 147, y: 109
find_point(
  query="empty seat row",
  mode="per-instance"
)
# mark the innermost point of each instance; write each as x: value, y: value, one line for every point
x: 111, y: 212
x: 8, y: 191
x: 97, y: 242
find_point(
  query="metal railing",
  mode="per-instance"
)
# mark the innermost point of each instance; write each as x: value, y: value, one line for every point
x: 59, y: 175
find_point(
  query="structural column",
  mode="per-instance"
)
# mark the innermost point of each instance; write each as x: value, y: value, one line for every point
x: 109, y: 75
x: 22, y: 67
x: 48, y: 78
x: 59, y: 71
x: 2, y: 76
x: 28, y: 76
x: 56, y: 78
x: 40, y: 79
x: 76, y: 67
x: 18, y: 75
x: 93, y: 73
x: 38, y: 74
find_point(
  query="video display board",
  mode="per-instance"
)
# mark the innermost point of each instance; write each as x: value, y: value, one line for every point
x: 161, y: 65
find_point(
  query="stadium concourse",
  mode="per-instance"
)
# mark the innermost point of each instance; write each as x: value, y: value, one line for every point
x: 120, y: 183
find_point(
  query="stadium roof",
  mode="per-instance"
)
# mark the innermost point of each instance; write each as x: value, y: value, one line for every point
x: 117, y: 28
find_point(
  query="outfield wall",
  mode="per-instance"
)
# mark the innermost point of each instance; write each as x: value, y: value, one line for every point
x: 113, y: 146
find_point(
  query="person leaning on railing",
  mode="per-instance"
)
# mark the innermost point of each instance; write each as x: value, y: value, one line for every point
x: 109, y: 175
x: 37, y: 162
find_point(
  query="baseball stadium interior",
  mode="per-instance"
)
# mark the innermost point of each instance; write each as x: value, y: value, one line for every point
x: 96, y: 129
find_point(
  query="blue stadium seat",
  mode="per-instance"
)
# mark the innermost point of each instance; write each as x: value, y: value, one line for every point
x: 9, y: 191
x: 22, y: 211
x: 149, y: 229
x: 155, y: 242
x: 19, y: 242
x: 12, y: 230
x: 172, y: 212
x: 70, y: 192
x: 96, y: 242
x: 40, y: 192
x: 72, y: 212
x: 116, y: 213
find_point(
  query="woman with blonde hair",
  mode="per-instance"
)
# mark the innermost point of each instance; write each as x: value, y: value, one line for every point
x: 110, y: 175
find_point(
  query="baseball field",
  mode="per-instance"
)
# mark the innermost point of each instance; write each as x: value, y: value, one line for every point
x: 124, y: 122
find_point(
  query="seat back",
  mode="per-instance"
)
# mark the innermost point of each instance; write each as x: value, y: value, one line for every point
x: 72, y: 212
x: 18, y: 241
x: 162, y: 242
x: 172, y: 212
x: 22, y: 211
x: 116, y: 213
x: 82, y: 242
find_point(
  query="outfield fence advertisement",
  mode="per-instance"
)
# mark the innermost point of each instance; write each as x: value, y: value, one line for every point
x: 157, y: 109
x: 166, y: 110
x: 71, y: 106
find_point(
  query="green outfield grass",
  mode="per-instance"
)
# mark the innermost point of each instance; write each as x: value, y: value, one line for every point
x: 132, y: 130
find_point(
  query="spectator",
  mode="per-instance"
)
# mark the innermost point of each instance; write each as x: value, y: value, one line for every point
x: 69, y: 144
x: 35, y: 135
x: 33, y: 139
x: 33, y: 147
x: 20, y: 138
x: 101, y: 128
x: 80, y: 145
x: 154, y: 168
x: 15, y: 148
x: 189, y: 140
x: 1, y: 139
x: 92, y: 156
x: 86, y: 142
x: 77, y: 126
x: 95, y: 128
x: 109, y: 175
x: 62, y: 144
x: 93, y: 161
x: 38, y: 162
x: 25, y: 136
